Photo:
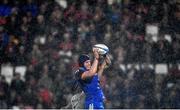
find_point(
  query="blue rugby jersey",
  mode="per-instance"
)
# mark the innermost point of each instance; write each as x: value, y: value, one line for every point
x: 92, y: 89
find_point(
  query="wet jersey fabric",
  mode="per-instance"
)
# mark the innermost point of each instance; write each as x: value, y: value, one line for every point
x: 91, y: 87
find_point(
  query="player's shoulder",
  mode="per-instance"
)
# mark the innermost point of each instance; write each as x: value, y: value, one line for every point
x: 79, y: 71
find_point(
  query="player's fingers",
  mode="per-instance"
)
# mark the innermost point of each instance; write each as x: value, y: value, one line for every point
x: 95, y: 49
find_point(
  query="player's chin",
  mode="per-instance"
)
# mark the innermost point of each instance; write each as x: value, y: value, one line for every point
x: 88, y: 67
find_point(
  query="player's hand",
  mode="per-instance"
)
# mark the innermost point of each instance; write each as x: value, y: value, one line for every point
x: 96, y: 54
x: 108, y: 60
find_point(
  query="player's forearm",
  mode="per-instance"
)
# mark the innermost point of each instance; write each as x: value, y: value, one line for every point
x: 93, y: 68
x: 101, y: 68
x: 92, y: 71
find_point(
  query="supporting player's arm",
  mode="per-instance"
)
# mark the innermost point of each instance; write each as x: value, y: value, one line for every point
x: 105, y: 64
x: 92, y: 71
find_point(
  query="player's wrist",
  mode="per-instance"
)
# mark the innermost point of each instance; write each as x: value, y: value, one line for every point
x: 96, y: 59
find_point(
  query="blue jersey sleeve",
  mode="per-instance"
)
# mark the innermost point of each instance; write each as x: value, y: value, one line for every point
x: 78, y: 75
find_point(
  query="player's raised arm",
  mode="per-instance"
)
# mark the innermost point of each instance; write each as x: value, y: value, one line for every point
x: 93, y: 69
x: 106, y: 63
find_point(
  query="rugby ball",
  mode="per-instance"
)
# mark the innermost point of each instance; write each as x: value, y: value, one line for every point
x: 102, y: 48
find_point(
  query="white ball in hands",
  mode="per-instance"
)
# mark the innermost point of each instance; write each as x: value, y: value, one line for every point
x: 102, y: 49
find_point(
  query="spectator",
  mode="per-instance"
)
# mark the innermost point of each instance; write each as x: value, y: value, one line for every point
x: 5, y: 9
x: 46, y: 97
x: 4, y: 93
x: 31, y: 7
x: 161, y: 51
x: 45, y: 80
x: 29, y: 98
x: 17, y: 84
x: 21, y: 57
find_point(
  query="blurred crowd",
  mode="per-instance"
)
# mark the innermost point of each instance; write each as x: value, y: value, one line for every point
x: 47, y: 36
